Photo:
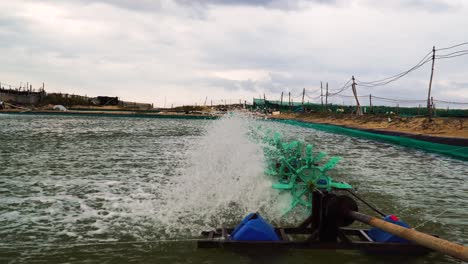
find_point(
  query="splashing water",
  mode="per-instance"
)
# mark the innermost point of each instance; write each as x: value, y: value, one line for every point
x: 223, y: 180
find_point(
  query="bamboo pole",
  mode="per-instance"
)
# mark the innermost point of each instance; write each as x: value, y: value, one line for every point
x: 446, y: 247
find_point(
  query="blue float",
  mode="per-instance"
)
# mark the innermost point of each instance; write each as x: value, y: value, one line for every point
x: 379, y: 235
x: 254, y: 228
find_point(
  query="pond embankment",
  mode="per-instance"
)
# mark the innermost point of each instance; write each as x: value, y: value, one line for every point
x: 447, y: 136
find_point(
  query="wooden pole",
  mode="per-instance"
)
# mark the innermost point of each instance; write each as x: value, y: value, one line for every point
x: 321, y: 94
x: 289, y: 99
x: 446, y: 247
x: 281, y: 98
x: 358, y: 106
x: 429, y: 110
x: 370, y: 103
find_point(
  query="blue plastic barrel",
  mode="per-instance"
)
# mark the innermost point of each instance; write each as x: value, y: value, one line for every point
x: 254, y: 228
x: 379, y: 235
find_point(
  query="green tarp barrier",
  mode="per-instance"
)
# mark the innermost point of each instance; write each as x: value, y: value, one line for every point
x: 458, y: 152
x: 402, y: 111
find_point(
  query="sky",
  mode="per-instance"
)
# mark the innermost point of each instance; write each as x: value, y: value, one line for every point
x: 191, y: 51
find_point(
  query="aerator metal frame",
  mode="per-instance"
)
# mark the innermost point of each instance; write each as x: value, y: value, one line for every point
x: 323, y: 229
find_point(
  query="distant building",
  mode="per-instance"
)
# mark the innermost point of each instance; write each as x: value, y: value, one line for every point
x: 107, y: 100
x: 29, y: 97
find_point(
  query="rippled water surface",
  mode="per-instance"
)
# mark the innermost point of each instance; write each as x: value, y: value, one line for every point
x: 118, y: 190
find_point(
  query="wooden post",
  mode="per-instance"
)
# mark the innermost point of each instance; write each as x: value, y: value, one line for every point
x: 281, y: 99
x: 303, y: 94
x: 321, y: 94
x: 358, y: 106
x: 429, y: 107
x: 370, y: 103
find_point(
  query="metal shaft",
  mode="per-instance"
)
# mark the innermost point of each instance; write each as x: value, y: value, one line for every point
x: 437, y: 244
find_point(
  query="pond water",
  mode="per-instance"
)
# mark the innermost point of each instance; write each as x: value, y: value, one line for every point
x: 121, y: 190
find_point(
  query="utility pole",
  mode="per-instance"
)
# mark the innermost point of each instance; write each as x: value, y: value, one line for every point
x: 289, y: 99
x: 281, y: 98
x: 358, y: 106
x: 321, y: 94
x: 370, y: 103
x: 429, y: 110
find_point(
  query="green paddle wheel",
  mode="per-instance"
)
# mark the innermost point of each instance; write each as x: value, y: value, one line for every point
x: 296, y: 169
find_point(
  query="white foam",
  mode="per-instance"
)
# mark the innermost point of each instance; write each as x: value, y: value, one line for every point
x: 223, y: 181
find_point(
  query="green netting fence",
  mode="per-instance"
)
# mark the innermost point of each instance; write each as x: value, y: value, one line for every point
x: 458, y: 152
x: 262, y: 104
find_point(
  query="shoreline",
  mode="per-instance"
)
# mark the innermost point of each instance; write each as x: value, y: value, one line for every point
x: 442, y: 128
x: 115, y: 113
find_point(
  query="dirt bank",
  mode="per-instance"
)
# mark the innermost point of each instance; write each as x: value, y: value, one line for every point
x: 439, y: 127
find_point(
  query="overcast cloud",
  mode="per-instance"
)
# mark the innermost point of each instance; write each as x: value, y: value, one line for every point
x: 225, y: 49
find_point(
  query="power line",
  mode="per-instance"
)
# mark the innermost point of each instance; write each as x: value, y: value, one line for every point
x: 398, y: 100
x: 454, y: 46
x: 352, y: 96
x: 393, y: 78
x: 313, y: 98
x: 342, y: 87
x: 447, y: 102
x: 452, y: 55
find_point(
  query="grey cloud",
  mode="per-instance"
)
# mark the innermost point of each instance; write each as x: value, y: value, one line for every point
x: 275, y: 4
x: 150, y: 5
x: 231, y: 85
x: 417, y: 5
